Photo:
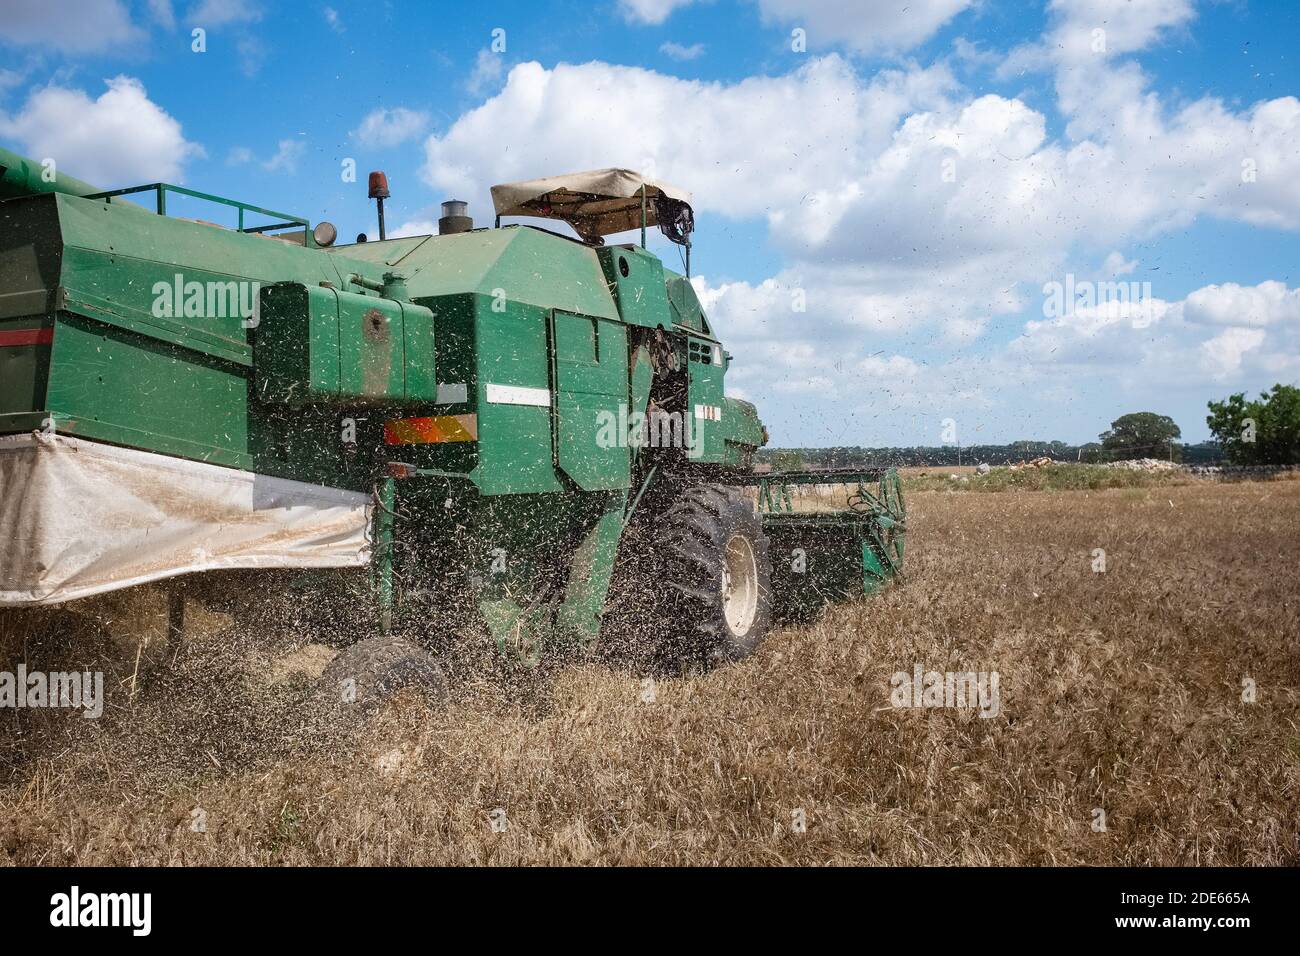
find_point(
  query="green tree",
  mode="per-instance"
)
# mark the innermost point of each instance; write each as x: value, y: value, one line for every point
x: 1262, y: 432
x: 1141, y: 435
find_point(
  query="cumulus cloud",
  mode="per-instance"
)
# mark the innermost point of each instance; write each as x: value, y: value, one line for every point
x: 216, y: 13
x: 390, y: 127
x: 120, y: 138
x: 1225, y: 330
x: 488, y: 67
x: 734, y: 144
x: 70, y: 26
x: 910, y: 210
x: 287, y: 154
x: 1223, y: 354
x: 870, y: 26
x: 1231, y: 304
x: 649, y: 11
x: 873, y: 26
x: 162, y: 13
x: 904, y: 207
x: 1117, y: 265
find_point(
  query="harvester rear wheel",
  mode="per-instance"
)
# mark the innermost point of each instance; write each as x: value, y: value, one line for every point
x: 713, y: 577
x: 369, y: 672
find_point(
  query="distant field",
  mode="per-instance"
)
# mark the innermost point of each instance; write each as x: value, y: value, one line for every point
x: 918, y: 471
x: 1065, y: 476
x: 1121, y: 693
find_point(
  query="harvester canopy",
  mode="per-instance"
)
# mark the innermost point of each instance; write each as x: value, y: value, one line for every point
x: 599, y: 202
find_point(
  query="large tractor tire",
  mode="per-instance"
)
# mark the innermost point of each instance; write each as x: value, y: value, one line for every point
x: 712, y: 577
x: 371, y: 671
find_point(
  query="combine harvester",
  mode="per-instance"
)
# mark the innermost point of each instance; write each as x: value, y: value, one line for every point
x: 482, y: 423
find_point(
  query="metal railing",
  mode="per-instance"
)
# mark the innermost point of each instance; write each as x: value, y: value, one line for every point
x: 162, y: 189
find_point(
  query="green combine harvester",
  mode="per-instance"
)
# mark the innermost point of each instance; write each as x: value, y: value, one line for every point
x: 487, y: 428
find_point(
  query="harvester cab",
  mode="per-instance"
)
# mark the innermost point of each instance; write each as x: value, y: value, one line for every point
x: 509, y: 433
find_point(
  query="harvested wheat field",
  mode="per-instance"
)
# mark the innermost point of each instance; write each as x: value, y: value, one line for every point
x: 1124, y: 692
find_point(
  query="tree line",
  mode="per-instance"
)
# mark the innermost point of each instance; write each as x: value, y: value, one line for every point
x: 1265, y: 431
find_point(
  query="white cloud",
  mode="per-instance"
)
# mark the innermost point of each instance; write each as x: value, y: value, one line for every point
x: 239, y: 155
x: 287, y: 154
x: 1223, y: 354
x: 1231, y: 304
x: 649, y: 11
x: 415, y: 227
x: 389, y: 127
x: 865, y: 26
x: 679, y: 52
x: 897, y: 202
x: 872, y: 26
x: 1226, y: 330
x: 1117, y: 265
x: 10, y: 79
x: 905, y: 206
x: 734, y: 144
x: 252, y: 54
x: 163, y: 14
x: 488, y: 67
x: 1088, y: 29
x: 216, y: 13
x: 70, y: 26
x: 332, y: 18
x: 121, y: 138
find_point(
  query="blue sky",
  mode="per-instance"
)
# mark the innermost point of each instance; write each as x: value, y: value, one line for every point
x: 913, y: 176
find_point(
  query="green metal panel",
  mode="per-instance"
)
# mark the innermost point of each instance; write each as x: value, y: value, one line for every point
x: 370, y: 347
x: 23, y: 368
x: 297, y: 356
x: 20, y: 176
x: 636, y: 277
x: 514, y: 448
x: 706, y: 365
x: 590, y: 571
x: 419, y: 350
x: 742, y: 432
x: 455, y: 370
x: 684, y: 303
x: 119, y: 386
x: 517, y: 264
x: 30, y: 257
x: 129, y: 365
x: 591, y: 384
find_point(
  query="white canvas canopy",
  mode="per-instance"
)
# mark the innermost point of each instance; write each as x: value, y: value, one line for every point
x: 595, y: 203
x: 79, y: 518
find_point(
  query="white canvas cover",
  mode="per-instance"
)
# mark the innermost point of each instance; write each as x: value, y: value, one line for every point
x: 596, y: 203
x: 79, y: 518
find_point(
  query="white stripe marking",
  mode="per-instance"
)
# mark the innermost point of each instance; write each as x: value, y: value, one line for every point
x: 518, y: 395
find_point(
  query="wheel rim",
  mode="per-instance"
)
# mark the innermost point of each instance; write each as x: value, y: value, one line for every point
x: 740, y: 585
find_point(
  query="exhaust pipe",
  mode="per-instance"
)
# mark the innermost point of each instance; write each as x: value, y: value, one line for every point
x: 455, y: 218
